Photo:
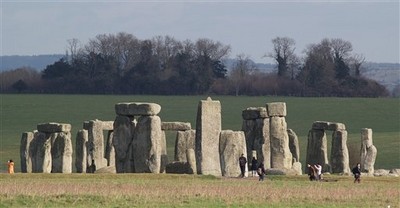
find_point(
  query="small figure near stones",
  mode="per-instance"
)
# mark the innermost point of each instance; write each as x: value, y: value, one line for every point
x: 261, y: 172
x: 318, y: 168
x: 92, y: 167
x: 357, y: 173
x: 254, y: 166
x: 242, y: 164
x: 10, y: 165
x: 312, y: 172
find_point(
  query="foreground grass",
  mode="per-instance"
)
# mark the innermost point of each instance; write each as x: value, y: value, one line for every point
x: 166, y: 190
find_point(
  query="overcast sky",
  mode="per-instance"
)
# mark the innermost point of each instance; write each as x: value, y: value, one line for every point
x: 43, y: 27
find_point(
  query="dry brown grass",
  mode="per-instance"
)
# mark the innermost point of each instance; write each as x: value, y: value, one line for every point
x: 179, y: 190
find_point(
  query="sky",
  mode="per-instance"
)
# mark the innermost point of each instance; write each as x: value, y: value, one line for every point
x: 44, y: 27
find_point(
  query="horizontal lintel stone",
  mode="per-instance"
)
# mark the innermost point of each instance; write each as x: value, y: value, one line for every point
x: 253, y: 113
x: 137, y: 109
x: 53, y: 127
x: 175, y: 126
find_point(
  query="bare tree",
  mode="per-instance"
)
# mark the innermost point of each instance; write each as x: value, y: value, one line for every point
x: 355, y: 62
x: 283, y: 54
x: 243, y: 67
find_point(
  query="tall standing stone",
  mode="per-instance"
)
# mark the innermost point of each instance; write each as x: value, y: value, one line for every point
x: 208, y: 128
x: 317, y: 149
x: 26, y: 160
x: 368, y: 151
x: 61, y: 152
x: 96, y: 143
x: 110, y: 151
x: 294, y: 145
x: 191, y: 160
x: 124, y: 127
x: 80, y: 149
x: 40, y: 152
x: 232, y: 146
x: 340, y: 153
x: 281, y: 157
x: 147, y: 148
x: 184, y: 140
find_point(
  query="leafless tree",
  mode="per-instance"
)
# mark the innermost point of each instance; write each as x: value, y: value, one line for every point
x: 241, y: 70
x: 283, y: 54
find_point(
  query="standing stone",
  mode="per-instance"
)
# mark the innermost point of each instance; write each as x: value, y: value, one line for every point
x: 281, y: 158
x: 124, y: 127
x: 147, y: 145
x: 340, y: 153
x: 368, y: 151
x: 208, y: 128
x: 294, y: 145
x: 61, y: 152
x: 164, y: 155
x: 184, y: 140
x: 110, y: 151
x: 317, y: 150
x: 191, y: 160
x: 96, y: 143
x: 249, y: 127
x: 232, y: 146
x: 40, y: 152
x: 262, y: 141
x: 80, y: 148
x: 26, y: 160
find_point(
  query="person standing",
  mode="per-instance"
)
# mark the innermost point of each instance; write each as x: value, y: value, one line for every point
x: 357, y: 173
x: 242, y: 164
x: 261, y: 172
x: 254, y: 166
x: 10, y: 165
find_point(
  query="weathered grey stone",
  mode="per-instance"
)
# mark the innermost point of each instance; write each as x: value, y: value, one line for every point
x: 124, y: 127
x: 108, y: 125
x: 40, y: 152
x: 297, y: 168
x: 175, y: 126
x: 147, y: 144
x: 276, y: 109
x: 326, y: 125
x: 252, y: 113
x: 232, y: 145
x: 184, y: 140
x: 137, y: 109
x: 26, y: 160
x: 368, y: 159
x: 191, y: 159
x: 257, y: 133
x: 395, y: 171
x: 381, y: 172
x: 178, y: 167
x: 280, y: 171
x: 80, y: 151
x: 281, y: 157
x: 317, y: 150
x: 96, y: 145
x: 366, y: 137
x: 340, y: 153
x: 107, y: 169
x: 208, y: 128
x: 53, y: 127
x: 61, y: 152
x: 164, y: 155
x: 294, y: 145
x: 110, y: 150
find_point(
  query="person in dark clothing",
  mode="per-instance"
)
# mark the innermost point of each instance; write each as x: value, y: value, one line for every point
x: 357, y: 173
x: 242, y: 164
x: 312, y: 172
x: 261, y: 172
x: 254, y: 166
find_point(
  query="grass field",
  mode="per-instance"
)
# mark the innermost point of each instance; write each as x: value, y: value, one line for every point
x: 21, y: 113
x: 168, y: 190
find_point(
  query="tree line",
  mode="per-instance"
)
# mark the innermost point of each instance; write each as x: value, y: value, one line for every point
x: 123, y: 64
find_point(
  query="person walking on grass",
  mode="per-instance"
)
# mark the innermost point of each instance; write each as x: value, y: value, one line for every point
x: 10, y: 165
x: 242, y: 164
x: 357, y: 173
x: 261, y: 172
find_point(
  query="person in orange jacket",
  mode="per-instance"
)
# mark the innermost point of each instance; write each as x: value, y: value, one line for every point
x: 10, y: 165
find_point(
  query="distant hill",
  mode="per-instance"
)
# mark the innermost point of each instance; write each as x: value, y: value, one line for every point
x: 387, y: 74
x: 38, y: 62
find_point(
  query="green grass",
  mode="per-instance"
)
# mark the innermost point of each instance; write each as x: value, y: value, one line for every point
x: 21, y: 113
x: 169, y: 190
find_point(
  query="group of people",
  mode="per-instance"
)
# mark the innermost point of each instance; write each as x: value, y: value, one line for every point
x: 256, y: 168
x: 315, y: 172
